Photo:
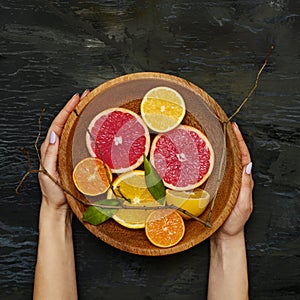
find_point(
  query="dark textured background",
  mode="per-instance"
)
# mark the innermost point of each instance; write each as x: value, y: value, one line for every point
x: 51, y: 49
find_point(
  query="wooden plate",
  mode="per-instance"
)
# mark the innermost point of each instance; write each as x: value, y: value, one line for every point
x: 202, y: 112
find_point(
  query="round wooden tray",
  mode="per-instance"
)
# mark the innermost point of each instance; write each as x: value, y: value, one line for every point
x: 202, y: 112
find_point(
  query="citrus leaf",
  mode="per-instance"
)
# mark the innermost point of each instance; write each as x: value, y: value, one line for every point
x: 96, y: 215
x: 154, y: 183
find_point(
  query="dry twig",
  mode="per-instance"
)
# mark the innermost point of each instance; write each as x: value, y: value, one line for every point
x: 121, y: 200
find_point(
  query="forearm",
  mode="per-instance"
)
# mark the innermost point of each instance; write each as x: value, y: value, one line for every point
x: 228, y: 276
x: 55, y: 276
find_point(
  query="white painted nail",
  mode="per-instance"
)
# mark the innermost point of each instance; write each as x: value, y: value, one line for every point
x: 52, y: 137
x: 249, y: 168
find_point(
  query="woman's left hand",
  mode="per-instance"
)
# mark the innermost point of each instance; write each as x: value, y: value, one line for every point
x: 51, y: 192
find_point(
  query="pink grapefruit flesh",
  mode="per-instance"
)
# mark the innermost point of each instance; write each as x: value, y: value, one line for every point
x: 183, y: 157
x: 119, y: 137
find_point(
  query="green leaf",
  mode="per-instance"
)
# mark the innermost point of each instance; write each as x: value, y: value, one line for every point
x: 154, y: 183
x: 96, y: 215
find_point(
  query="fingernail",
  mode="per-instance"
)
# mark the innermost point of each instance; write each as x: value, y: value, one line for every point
x: 52, y: 137
x: 75, y: 95
x: 249, y: 168
x: 235, y: 124
x: 85, y: 91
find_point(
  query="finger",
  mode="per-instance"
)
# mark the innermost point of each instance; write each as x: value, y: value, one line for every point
x: 51, y: 139
x: 245, y: 155
x: 60, y: 120
x: 43, y: 148
x: 245, y: 196
x: 85, y: 93
x: 51, y: 152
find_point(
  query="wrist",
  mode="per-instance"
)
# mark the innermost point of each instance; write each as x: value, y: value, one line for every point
x: 228, y: 277
x: 50, y: 213
x: 220, y: 235
x: 222, y: 240
x: 228, y: 253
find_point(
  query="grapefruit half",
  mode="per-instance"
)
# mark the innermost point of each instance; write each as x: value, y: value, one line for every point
x: 119, y: 137
x: 183, y: 157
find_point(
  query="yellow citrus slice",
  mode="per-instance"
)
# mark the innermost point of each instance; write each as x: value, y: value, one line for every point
x: 164, y: 228
x: 162, y: 109
x: 91, y: 177
x: 132, y: 186
x: 194, y: 202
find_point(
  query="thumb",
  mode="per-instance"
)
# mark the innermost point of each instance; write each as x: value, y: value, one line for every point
x: 245, y: 196
x: 247, y: 181
x: 50, y: 159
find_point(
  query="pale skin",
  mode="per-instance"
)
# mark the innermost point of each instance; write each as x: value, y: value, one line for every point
x: 55, y: 276
x: 228, y: 276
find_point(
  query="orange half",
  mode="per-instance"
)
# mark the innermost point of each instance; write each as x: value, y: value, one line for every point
x: 91, y: 176
x: 164, y: 228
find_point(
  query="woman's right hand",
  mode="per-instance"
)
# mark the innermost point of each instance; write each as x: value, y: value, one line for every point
x: 234, y: 225
x: 228, y: 276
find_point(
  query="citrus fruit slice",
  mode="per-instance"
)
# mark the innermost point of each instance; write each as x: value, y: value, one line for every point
x: 119, y: 137
x: 91, y: 176
x: 193, y: 202
x: 183, y: 157
x: 162, y: 109
x: 132, y: 186
x: 164, y: 228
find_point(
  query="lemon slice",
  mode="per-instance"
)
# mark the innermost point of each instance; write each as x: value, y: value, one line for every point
x: 194, y: 202
x: 162, y: 109
x: 132, y: 186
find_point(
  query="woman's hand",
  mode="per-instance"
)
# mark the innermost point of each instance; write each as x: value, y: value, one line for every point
x: 228, y: 276
x: 51, y: 192
x: 236, y: 221
x: 55, y: 276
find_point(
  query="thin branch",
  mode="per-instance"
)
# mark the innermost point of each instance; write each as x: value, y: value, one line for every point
x: 220, y: 171
x: 121, y: 200
x: 255, y: 83
x: 86, y: 203
x: 29, y: 170
x: 206, y: 223
x: 229, y: 119
x: 102, y: 158
x: 122, y: 195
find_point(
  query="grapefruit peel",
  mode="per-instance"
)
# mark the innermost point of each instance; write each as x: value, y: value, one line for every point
x: 119, y: 137
x: 182, y: 165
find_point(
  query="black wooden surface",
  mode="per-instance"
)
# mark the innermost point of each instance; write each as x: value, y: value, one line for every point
x: 51, y: 49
